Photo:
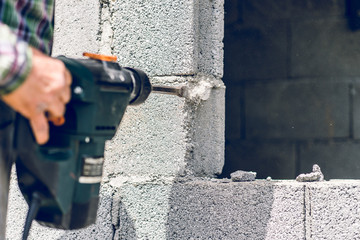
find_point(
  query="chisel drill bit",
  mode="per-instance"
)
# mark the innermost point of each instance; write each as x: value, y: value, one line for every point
x: 179, y: 91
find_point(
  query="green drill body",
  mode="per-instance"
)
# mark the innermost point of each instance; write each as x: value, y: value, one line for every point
x: 64, y: 175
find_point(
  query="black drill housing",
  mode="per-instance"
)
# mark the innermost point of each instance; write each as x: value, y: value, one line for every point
x: 65, y: 174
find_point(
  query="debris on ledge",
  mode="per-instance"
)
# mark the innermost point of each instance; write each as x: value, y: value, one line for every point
x: 315, y: 176
x: 243, y: 176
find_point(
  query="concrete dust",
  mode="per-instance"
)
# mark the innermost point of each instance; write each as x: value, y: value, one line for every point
x: 201, y: 89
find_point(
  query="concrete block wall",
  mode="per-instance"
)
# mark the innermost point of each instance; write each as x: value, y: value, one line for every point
x: 158, y: 179
x: 292, y: 76
x: 176, y: 43
x: 217, y: 209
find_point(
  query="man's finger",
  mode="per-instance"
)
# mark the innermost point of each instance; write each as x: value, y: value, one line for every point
x: 40, y: 127
x: 57, y: 108
x: 68, y: 78
x: 65, y: 95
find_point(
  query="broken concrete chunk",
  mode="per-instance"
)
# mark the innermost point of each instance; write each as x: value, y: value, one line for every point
x: 242, y: 176
x: 314, y: 176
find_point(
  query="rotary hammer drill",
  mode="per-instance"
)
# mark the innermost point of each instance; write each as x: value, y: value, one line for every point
x: 61, y: 180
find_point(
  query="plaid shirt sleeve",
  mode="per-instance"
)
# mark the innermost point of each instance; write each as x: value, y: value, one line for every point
x: 15, y: 60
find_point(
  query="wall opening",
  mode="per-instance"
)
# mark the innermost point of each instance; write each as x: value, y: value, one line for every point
x: 292, y: 74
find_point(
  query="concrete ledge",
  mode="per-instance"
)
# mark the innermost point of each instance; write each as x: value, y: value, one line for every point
x: 249, y: 210
x: 212, y: 209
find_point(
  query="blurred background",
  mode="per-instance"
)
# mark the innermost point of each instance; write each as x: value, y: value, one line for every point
x: 292, y: 72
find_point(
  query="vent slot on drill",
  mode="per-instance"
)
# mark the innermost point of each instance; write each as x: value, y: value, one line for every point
x: 105, y: 128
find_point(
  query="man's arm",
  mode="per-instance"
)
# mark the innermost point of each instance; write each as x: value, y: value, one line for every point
x: 32, y: 83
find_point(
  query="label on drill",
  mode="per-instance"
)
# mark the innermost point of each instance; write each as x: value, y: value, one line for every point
x: 91, y: 170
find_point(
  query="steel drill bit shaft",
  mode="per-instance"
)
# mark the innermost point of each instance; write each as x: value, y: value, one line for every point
x: 178, y: 91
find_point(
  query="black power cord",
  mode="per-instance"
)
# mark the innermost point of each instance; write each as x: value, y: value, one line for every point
x: 33, y: 210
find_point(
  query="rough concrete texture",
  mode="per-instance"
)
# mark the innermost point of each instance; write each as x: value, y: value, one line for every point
x: 171, y: 37
x: 333, y: 210
x: 171, y: 136
x: 195, y: 208
x: 211, y: 34
x: 203, y: 209
x: 76, y: 33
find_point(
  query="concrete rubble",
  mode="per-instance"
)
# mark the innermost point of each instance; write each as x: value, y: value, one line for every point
x: 315, y: 175
x: 243, y: 176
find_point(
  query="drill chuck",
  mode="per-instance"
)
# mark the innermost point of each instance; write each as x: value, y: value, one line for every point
x: 111, y: 76
x: 142, y: 87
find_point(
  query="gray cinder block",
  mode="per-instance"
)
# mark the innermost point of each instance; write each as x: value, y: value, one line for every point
x: 257, y: 51
x: 297, y: 110
x: 355, y: 95
x: 317, y: 8
x: 324, y: 47
x: 333, y: 210
x: 169, y: 37
x: 75, y: 33
x: 172, y: 136
x: 201, y: 209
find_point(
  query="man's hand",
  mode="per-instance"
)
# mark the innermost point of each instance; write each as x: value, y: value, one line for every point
x: 45, y: 90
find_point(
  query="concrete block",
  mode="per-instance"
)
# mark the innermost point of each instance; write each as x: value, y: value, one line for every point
x: 336, y: 159
x: 333, y: 210
x: 323, y: 47
x: 234, y: 111
x: 146, y: 36
x: 260, y: 10
x: 203, y: 209
x: 277, y: 160
x: 210, y: 37
x: 208, y: 135
x: 169, y: 37
x: 142, y: 208
x: 297, y: 110
x: 256, y: 51
x: 355, y: 95
x: 171, y: 136
x: 76, y: 33
x: 199, y: 208
x: 151, y: 139
x: 234, y: 12
x: 317, y: 8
